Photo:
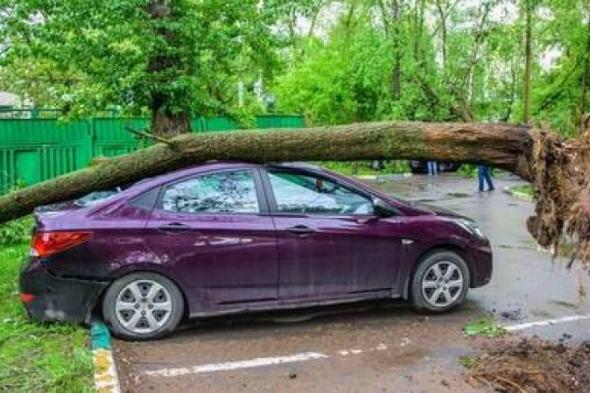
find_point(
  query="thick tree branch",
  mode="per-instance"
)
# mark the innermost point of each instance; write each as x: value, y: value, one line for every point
x: 558, y: 169
x: 501, y: 145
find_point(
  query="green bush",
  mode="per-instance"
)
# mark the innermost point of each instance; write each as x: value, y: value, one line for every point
x: 16, y: 231
x: 365, y: 167
x: 468, y: 170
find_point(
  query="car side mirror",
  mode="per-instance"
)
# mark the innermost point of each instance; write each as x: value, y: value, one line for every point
x: 383, y: 208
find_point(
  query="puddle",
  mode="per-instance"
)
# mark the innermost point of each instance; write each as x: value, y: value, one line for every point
x: 510, y: 247
x: 512, y: 315
x: 458, y: 195
x: 564, y: 303
x: 542, y: 314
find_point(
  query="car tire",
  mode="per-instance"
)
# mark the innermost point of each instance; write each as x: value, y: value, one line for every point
x: 142, y: 306
x: 440, y: 282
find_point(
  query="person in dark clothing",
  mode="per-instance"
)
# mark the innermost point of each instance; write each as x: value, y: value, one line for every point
x: 483, y: 173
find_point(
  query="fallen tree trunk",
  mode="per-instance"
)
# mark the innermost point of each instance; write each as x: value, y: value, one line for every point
x: 556, y: 169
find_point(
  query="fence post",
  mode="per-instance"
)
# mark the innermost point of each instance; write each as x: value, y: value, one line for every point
x: 90, y: 145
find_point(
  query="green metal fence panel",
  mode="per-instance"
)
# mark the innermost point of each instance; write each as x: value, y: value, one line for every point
x: 111, y: 138
x: 218, y: 123
x: 38, y: 149
x: 275, y: 121
x: 33, y: 150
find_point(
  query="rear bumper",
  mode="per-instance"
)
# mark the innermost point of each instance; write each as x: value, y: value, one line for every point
x: 481, y: 265
x: 55, y: 298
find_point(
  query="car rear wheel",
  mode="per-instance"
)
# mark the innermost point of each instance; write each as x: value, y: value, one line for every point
x: 441, y: 282
x: 142, y: 306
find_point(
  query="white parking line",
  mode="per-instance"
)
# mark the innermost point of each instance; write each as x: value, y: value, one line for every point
x: 301, y: 357
x: 546, y: 322
x: 258, y: 362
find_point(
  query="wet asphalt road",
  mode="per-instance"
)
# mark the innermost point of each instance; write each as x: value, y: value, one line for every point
x: 383, y: 347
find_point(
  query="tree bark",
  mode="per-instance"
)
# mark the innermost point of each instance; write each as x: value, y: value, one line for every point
x: 585, y: 80
x: 527, y: 62
x: 557, y: 169
x: 393, y: 33
x: 503, y: 146
x: 165, y: 121
x: 397, y: 66
x: 442, y: 13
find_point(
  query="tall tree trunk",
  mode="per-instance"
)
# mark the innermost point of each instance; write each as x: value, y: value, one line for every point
x: 397, y: 65
x: 527, y: 62
x: 418, y: 28
x: 585, y: 80
x: 442, y: 13
x: 166, y: 122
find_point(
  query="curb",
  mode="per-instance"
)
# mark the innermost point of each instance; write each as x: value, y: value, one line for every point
x: 518, y: 195
x: 391, y: 176
x: 106, y: 379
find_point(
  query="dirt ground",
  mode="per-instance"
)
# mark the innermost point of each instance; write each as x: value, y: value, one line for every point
x: 532, y: 365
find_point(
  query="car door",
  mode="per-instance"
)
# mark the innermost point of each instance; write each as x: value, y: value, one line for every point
x: 212, y: 228
x: 330, y: 242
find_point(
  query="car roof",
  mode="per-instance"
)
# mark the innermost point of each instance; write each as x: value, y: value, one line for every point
x: 148, y: 183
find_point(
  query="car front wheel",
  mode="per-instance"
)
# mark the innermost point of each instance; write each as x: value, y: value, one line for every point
x: 441, y: 281
x: 142, y: 306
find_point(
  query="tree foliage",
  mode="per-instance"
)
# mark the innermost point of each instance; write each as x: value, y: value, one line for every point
x: 335, y: 61
x: 458, y: 61
x: 173, y: 57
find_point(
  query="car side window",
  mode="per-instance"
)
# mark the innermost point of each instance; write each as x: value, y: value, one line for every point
x: 303, y: 193
x: 222, y: 192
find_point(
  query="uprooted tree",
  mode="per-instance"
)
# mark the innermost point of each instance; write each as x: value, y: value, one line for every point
x: 558, y: 169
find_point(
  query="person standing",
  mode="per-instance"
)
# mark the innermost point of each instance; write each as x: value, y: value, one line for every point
x: 483, y: 174
x: 432, y: 168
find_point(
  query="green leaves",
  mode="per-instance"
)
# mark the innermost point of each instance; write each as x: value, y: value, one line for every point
x: 85, y: 56
x: 485, y: 326
x: 336, y: 63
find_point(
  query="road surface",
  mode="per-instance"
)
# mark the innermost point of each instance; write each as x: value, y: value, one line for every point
x: 384, y: 347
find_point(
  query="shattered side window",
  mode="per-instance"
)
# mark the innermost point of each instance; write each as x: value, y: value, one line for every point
x: 299, y: 193
x: 224, y: 192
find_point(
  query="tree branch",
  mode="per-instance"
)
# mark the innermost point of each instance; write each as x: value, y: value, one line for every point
x: 501, y: 145
x: 148, y: 135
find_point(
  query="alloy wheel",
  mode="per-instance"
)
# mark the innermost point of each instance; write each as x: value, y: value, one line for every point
x: 442, y: 284
x: 143, y: 306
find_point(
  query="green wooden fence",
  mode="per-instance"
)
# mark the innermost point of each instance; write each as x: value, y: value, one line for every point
x: 32, y: 150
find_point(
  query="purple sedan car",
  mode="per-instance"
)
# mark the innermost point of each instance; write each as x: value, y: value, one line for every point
x: 227, y: 237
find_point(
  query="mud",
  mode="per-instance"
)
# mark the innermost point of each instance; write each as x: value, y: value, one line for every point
x: 534, y: 366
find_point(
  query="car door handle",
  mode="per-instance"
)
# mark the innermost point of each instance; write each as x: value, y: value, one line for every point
x: 301, y: 230
x: 174, y: 227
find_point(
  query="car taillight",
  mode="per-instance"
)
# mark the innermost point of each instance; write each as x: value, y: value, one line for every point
x: 27, y: 298
x: 48, y: 243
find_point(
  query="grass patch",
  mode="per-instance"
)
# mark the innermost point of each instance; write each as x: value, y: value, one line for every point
x: 468, y: 361
x: 485, y: 326
x: 37, y: 357
x: 525, y: 189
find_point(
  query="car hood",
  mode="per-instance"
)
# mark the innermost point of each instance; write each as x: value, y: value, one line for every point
x: 426, y: 208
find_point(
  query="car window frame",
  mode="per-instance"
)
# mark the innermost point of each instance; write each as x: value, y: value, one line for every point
x: 272, y: 202
x: 263, y: 208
